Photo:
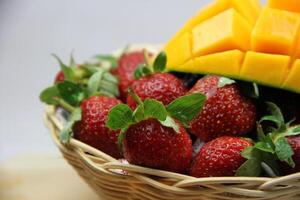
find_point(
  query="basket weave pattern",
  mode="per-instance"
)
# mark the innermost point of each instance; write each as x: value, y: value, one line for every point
x: 113, y: 180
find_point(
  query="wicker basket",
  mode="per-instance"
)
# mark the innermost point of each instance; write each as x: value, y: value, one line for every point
x: 113, y: 180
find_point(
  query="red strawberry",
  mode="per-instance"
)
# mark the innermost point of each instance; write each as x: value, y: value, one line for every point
x: 226, y: 111
x: 150, y: 144
x: 220, y: 157
x: 60, y: 77
x: 92, y: 128
x: 127, y: 64
x: 163, y: 87
x: 294, y: 141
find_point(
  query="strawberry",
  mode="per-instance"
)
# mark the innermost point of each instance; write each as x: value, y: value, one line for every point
x: 60, y: 77
x: 150, y: 144
x: 127, y: 64
x: 219, y: 157
x: 153, y: 83
x: 294, y: 141
x: 226, y: 111
x: 91, y: 128
x: 163, y: 87
x: 153, y: 135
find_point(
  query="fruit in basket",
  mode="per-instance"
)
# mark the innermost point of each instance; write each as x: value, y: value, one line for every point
x: 60, y: 77
x: 294, y: 141
x: 225, y: 112
x: 153, y: 83
x: 154, y: 135
x: 149, y: 143
x: 163, y: 87
x: 92, y: 130
x: 220, y: 157
x: 253, y: 42
x: 127, y: 65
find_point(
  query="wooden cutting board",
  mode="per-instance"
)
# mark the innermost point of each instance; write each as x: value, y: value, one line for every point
x: 42, y: 178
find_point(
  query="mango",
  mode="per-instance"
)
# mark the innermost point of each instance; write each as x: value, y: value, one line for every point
x: 293, y: 79
x: 208, y: 38
x: 268, y: 69
x: 275, y: 32
x: 290, y: 5
x: 179, y: 50
x: 225, y: 63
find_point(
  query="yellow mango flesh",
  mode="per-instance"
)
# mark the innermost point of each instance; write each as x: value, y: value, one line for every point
x: 264, y: 68
x: 226, y: 63
x: 208, y: 38
x: 293, y: 79
x: 290, y: 5
x: 249, y: 9
x: 254, y: 44
x: 275, y: 32
x: 179, y: 50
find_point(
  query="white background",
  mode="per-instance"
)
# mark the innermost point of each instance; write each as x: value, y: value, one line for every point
x: 30, y: 30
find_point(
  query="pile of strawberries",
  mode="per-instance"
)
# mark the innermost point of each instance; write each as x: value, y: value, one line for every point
x: 130, y: 107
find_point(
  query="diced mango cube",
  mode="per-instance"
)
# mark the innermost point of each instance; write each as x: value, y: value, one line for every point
x: 293, y: 79
x: 291, y: 5
x: 226, y: 31
x: 188, y: 66
x: 275, y: 32
x: 226, y: 63
x: 264, y: 68
x: 179, y: 50
x: 249, y: 9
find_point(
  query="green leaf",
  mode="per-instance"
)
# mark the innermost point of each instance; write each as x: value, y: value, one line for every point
x: 276, y: 112
x: 223, y: 81
x: 121, y: 137
x: 155, y: 109
x: 169, y: 122
x: 68, y: 72
x: 284, y: 151
x: 292, y: 131
x: 67, y: 131
x: 142, y: 70
x: 94, y: 82
x: 263, y: 146
x: 270, y: 160
x: 120, y: 117
x: 160, y: 62
x: 186, y: 108
x: 139, y: 113
x: 248, y: 152
x: 250, y: 168
x: 108, y: 58
x: 271, y: 118
x: 72, y: 93
x: 50, y: 95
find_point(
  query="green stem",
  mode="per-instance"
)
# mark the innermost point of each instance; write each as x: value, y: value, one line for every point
x: 65, y: 105
x: 147, y: 60
x: 135, y: 97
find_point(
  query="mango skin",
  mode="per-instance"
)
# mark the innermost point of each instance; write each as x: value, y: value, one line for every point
x: 290, y: 5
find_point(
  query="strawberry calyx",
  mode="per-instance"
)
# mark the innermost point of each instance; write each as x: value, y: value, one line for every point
x: 270, y: 147
x: 148, y: 68
x: 182, y: 109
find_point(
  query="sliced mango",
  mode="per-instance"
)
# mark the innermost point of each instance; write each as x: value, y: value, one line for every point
x: 275, y: 32
x: 291, y: 5
x: 208, y: 38
x: 179, y: 50
x: 293, y: 79
x: 264, y: 68
x: 249, y: 9
x: 225, y: 63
